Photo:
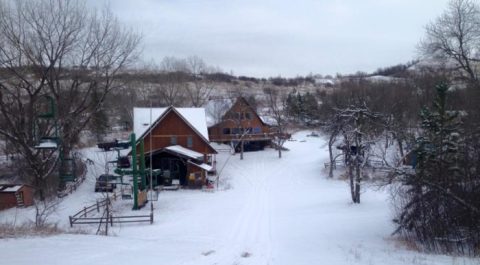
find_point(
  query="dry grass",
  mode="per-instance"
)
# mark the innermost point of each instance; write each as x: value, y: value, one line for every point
x: 405, y: 243
x: 8, y: 230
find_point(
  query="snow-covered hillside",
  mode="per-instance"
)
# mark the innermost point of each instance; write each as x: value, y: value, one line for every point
x: 268, y: 211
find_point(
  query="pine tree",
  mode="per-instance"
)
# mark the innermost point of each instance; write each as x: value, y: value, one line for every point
x: 436, y: 208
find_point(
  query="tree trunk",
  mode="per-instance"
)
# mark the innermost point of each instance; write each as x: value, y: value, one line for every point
x: 332, y: 161
x: 352, y: 184
x: 400, y: 147
x: 241, y: 150
x: 358, y: 178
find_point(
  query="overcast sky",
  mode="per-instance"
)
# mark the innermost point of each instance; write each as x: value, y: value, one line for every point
x: 288, y: 38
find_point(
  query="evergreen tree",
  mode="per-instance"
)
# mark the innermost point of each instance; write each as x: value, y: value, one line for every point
x: 437, y: 209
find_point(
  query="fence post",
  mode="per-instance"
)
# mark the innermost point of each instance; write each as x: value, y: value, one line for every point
x: 151, y: 217
x: 70, y: 218
x: 98, y: 207
x: 111, y: 220
x: 84, y: 211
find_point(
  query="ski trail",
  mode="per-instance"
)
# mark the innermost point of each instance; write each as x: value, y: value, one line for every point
x: 249, y: 240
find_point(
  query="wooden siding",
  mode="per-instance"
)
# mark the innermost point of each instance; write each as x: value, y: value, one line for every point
x: 173, y: 125
x: 236, y: 117
x: 9, y: 200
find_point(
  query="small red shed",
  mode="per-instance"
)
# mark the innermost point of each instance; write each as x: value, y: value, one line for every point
x: 15, y: 195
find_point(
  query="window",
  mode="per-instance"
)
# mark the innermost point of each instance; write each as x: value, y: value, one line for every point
x: 190, y: 141
x: 198, y: 175
x: 173, y: 140
x: 257, y: 130
x: 248, y: 115
x: 226, y: 130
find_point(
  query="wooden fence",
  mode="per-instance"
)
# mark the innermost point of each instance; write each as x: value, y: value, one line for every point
x: 81, y: 217
x: 376, y: 165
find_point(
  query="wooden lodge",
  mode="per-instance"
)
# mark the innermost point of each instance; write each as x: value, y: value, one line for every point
x: 16, y: 195
x: 176, y: 141
x: 240, y: 122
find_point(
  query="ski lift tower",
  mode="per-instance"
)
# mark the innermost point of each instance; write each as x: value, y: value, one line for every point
x: 47, y: 138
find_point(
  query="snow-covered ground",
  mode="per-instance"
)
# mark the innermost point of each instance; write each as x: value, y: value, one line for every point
x: 268, y: 211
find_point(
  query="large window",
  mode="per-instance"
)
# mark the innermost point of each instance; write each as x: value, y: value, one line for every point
x: 226, y: 130
x: 190, y: 141
x: 173, y: 140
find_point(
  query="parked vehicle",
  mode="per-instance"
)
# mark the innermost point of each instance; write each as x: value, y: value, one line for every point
x: 106, y: 183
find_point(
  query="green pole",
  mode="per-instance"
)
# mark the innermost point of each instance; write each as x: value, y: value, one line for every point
x: 142, y: 165
x: 134, y: 172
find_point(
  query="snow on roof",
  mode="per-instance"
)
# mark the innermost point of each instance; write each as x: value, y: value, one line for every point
x: 381, y: 78
x: 269, y: 120
x: 8, y: 188
x: 324, y: 81
x: 142, y: 118
x: 185, y: 151
x: 204, y: 166
x: 47, y: 144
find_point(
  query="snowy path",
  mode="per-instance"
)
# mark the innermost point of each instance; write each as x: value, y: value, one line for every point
x: 273, y: 211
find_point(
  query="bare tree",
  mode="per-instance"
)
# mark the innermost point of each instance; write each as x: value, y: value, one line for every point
x: 200, y: 88
x: 357, y: 125
x: 44, y: 210
x: 172, y: 81
x: 63, y: 51
x: 455, y: 37
x: 276, y: 109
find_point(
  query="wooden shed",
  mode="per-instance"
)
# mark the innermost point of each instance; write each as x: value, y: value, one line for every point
x: 16, y: 195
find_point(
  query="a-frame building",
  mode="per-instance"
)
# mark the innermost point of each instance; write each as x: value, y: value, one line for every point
x: 176, y: 141
x: 241, y: 123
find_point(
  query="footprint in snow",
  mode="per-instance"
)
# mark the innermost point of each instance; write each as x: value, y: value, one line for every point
x: 206, y: 253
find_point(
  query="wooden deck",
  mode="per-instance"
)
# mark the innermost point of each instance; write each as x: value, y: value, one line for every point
x: 239, y: 137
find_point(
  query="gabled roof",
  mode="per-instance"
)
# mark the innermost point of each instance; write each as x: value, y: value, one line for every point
x: 145, y: 119
x: 216, y: 109
x: 194, y: 117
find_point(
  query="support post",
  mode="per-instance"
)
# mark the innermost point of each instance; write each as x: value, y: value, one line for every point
x: 134, y: 172
x: 142, y: 165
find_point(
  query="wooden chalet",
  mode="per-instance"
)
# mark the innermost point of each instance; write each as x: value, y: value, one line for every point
x: 238, y: 122
x: 176, y: 140
x: 15, y: 195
